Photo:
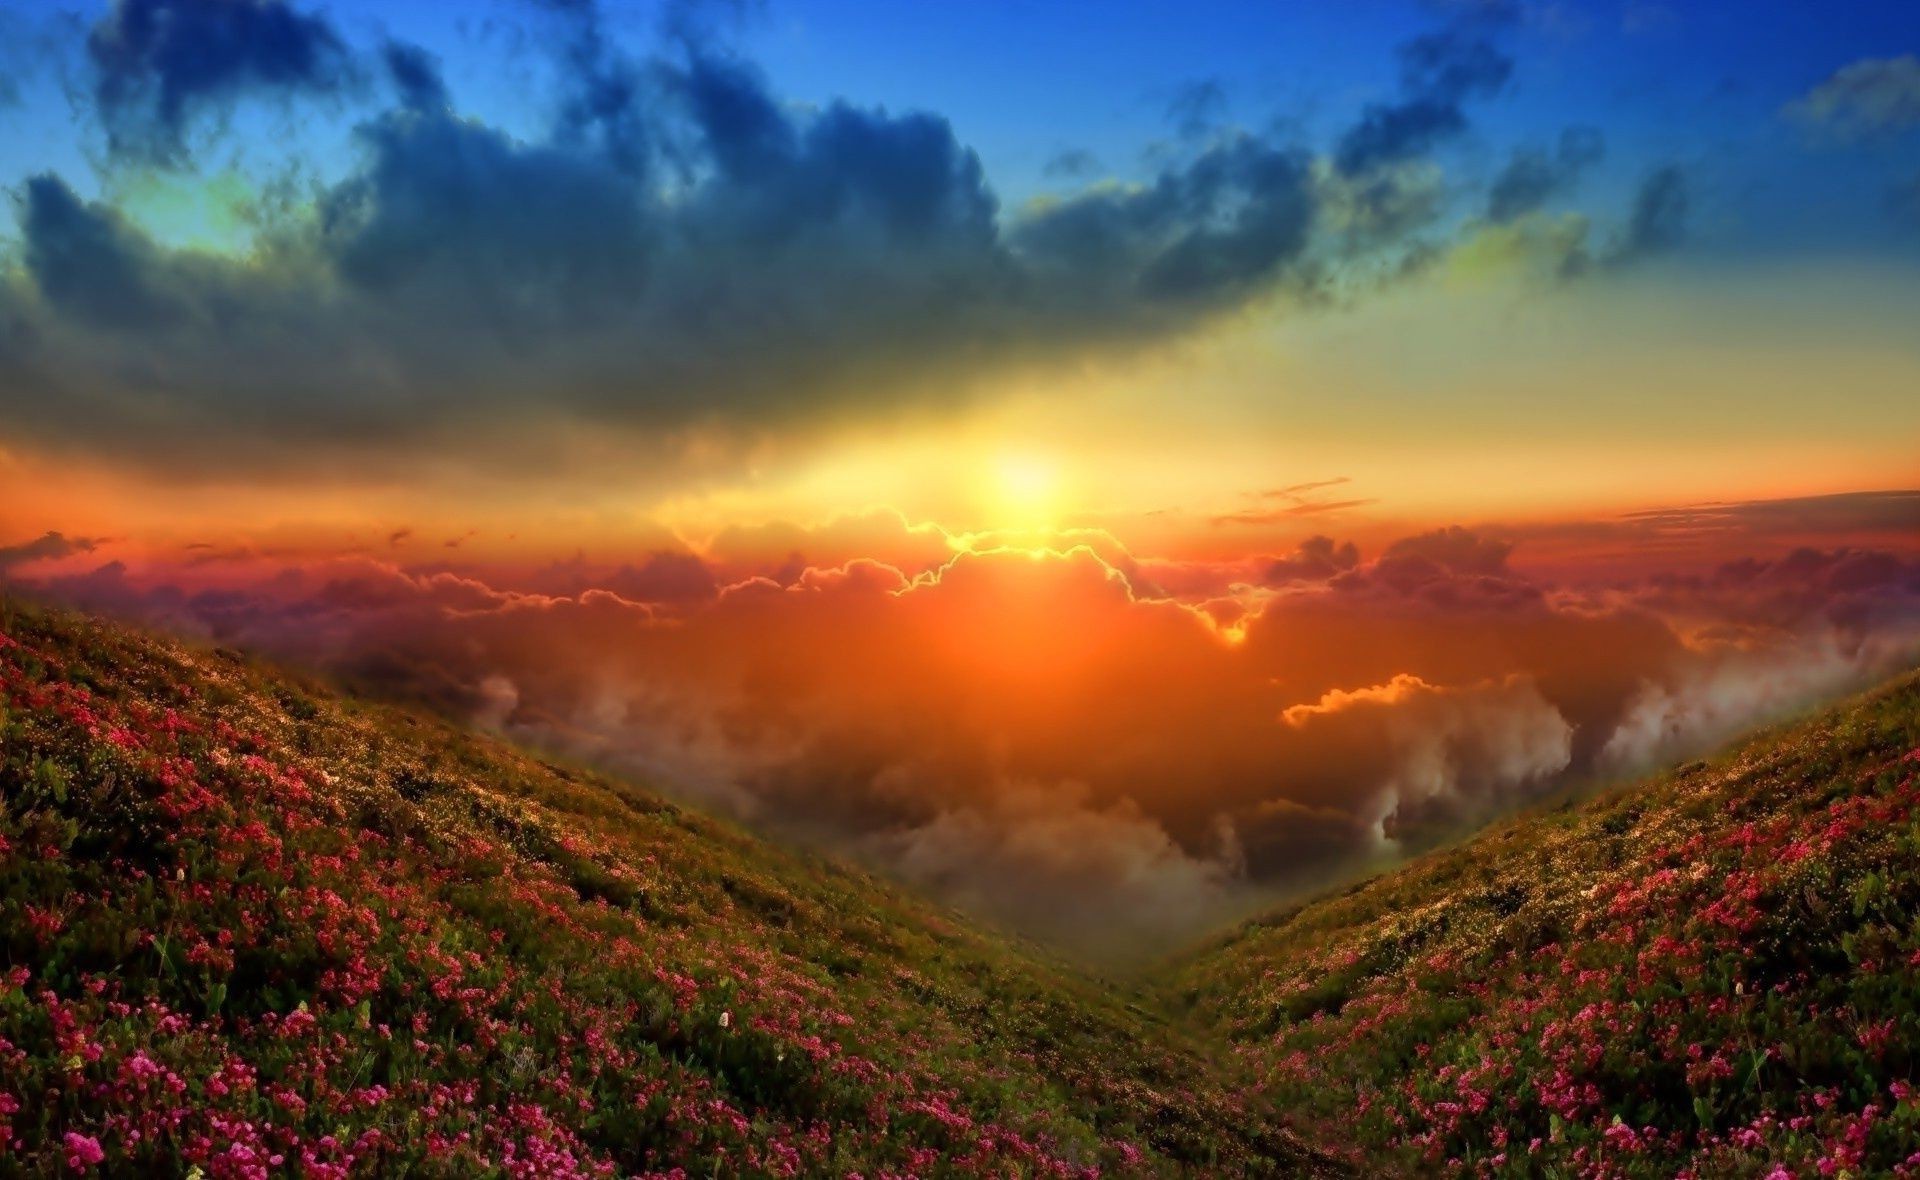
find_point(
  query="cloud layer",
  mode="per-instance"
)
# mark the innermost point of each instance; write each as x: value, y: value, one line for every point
x: 1054, y: 737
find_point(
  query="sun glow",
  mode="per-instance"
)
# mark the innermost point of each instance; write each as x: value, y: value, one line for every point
x: 1024, y: 491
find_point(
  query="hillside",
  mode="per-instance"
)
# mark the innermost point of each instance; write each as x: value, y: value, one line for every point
x: 248, y: 926
x: 1713, y: 973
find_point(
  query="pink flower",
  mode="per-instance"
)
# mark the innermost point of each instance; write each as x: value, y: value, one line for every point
x: 83, y: 1151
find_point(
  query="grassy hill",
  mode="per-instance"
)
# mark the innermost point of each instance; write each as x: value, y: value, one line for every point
x: 1713, y: 973
x: 248, y: 928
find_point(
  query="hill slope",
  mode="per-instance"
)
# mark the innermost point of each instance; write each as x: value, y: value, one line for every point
x: 249, y: 927
x: 245, y: 925
x: 1714, y: 973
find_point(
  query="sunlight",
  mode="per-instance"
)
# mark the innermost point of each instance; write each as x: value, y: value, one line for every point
x: 1024, y: 491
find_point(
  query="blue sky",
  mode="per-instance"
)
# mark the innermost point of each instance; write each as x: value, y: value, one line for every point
x: 1026, y: 85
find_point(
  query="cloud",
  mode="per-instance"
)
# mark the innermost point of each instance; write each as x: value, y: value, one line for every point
x: 1710, y: 703
x: 1197, y: 107
x: 1318, y: 559
x: 90, y: 264
x: 1895, y: 511
x: 50, y: 546
x: 1532, y: 175
x: 1457, y: 753
x: 680, y: 254
x: 782, y: 550
x: 1658, y: 221
x: 1439, y: 72
x: 1452, y: 548
x: 1868, y: 97
x: 1299, y: 500
x: 1067, y: 739
x: 1100, y: 880
x: 1292, y: 491
x: 415, y: 74
x: 1303, y: 508
x: 1382, y: 186
x: 1903, y: 201
x: 602, y: 101
x: 803, y: 264
x: 1071, y: 164
x: 1517, y: 236
x: 1551, y: 247
x: 160, y: 63
x: 1203, y: 237
x: 664, y: 577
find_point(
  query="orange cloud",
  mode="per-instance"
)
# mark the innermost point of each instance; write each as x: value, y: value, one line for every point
x: 1060, y: 733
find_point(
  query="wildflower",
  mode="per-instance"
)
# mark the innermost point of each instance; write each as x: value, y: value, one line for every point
x: 83, y: 1151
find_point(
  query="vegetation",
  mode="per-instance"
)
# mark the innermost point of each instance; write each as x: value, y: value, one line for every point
x: 1715, y: 973
x: 249, y: 928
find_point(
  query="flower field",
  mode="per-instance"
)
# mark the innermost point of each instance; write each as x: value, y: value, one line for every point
x: 1714, y: 973
x: 249, y: 928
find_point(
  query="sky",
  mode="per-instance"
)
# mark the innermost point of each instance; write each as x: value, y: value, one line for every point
x: 1112, y: 464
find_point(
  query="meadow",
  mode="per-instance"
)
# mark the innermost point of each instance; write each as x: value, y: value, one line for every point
x: 250, y: 926
x: 1714, y: 972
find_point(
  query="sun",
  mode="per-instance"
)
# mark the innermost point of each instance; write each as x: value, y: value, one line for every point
x: 1024, y: 490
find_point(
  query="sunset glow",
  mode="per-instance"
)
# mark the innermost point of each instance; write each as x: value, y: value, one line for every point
x: 1302, y: 438
x: 1064, y: 591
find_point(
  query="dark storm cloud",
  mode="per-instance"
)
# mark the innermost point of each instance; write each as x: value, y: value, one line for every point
x: 1439, y: 73
x: 1533, y: 175
x: 160, y: 63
